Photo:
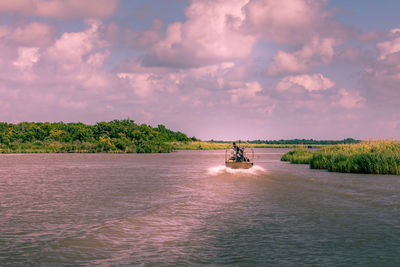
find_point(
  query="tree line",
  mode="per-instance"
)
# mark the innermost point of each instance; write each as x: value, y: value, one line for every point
x: 114, y: 136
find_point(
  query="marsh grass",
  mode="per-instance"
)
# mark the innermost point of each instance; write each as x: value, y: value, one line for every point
x: 373, y: 157
x: 298, y: 156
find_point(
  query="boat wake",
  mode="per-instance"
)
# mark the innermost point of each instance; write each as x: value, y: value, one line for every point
x: 223, y: 169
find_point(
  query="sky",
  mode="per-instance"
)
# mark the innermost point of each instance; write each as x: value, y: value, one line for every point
x: 214, y: 69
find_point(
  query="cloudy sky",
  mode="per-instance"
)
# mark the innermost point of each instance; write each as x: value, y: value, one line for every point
x: 221, y: 69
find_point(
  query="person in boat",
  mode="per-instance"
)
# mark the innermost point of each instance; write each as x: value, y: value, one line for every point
x: 239, y: 153
x: 237, y: 157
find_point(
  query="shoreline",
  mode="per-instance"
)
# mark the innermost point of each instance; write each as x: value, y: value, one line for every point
x: 91, y: 148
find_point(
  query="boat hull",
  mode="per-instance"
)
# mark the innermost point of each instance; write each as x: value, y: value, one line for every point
x: 239, y: 165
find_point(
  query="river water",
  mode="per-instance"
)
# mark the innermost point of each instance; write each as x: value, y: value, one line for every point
x: 186, y: 208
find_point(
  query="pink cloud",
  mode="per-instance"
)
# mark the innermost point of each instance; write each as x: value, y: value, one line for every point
x: 29, y: 35
x: 146, y: 83
x: 248, y: 92
x: 32, y: 34
x: 142, y: 84
x: 218, y: 31
x: 381, y: 77
x: 317, y: 51
x: 315, y: 82
x: 280, y: 20
x: 389, y: 47
x: 126, y: 37
x: 27, y: 56
x: 17, y: 6
x: 384, y: 72
x: 204, y: 87
x: 291, y: 22
x: 371, y: 36
x: 72, y: 104
x: 350, y: 99
x: 351, y: 54
x: 58, y: 75
x: 250, y: 97
x: 60, y: 8
x: 69, y: 52
x: 211, y: 34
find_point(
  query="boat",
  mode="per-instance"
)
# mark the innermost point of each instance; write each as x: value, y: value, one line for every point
x: 240, y: 156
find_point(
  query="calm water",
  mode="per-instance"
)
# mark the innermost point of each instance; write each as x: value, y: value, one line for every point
x: 185, y: 208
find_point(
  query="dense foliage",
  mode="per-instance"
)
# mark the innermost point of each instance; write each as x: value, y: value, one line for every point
x: 114, y: 136
x: 375, y: 157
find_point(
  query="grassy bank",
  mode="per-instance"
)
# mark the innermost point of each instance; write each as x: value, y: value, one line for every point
x: 374, y: 157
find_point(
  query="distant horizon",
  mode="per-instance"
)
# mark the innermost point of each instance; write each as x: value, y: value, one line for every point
x: 223, y: 69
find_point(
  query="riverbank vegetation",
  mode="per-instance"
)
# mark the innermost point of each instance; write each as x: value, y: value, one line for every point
x: 374, y: 157
x: 208, y: 145
x: 118, y: 136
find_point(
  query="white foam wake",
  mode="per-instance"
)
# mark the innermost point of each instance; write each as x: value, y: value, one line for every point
x: 223, y: 169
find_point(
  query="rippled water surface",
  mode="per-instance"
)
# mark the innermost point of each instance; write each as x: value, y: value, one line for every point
x: 186, y: 208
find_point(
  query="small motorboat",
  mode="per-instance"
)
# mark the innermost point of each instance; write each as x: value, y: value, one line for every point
x: 239, y: 156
